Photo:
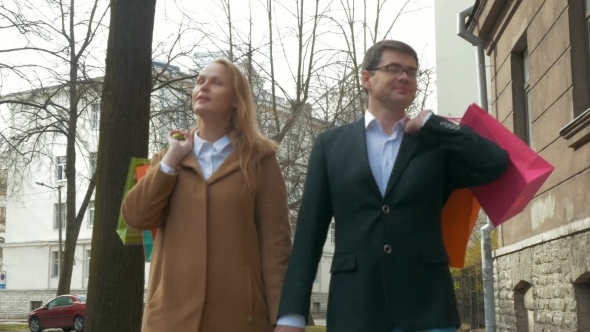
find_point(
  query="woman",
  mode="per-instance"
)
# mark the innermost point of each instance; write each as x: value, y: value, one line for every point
x: 219, y: 201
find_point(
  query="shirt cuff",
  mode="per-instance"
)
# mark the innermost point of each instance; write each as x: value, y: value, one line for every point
x: 292, y: 320
x: 167, y: 169
x: 426, y: 118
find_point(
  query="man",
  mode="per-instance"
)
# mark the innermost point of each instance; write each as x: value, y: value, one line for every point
x: 385, y: 180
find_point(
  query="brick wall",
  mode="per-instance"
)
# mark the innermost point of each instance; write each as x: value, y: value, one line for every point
x: 16, y: 304
x: 555, y: 270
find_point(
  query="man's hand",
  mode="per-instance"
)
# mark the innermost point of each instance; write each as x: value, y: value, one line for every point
x: 414, y: 125
x: 282, y: 328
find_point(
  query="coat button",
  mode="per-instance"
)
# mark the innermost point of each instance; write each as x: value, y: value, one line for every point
x: 385, y: 209
x: 387, y: 249
x: 250, y: 319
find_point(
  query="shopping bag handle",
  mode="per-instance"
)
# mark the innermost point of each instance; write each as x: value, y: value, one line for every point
x: 451, y: 118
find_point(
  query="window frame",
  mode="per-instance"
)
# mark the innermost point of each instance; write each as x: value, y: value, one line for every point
x: 55, y: 264
x: 527, y: 100
x: 587, y: 30
x: 94, y: 116
x: 333, y: 233
x: 91, y: 213
x: 521, y: 91
x: 63, y: 215
x: 88, y: 254
x: 60, y: 168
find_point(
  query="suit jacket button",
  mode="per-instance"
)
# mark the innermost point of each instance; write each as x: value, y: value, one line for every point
x: 385, y: 209
x: 387, y: 249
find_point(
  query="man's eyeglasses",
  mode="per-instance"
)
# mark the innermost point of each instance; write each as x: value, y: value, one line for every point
x: 397, y: 70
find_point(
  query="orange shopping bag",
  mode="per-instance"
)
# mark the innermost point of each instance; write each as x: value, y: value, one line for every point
x: 458, y: 220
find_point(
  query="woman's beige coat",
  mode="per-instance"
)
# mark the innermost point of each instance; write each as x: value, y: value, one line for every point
x: 220, y: 255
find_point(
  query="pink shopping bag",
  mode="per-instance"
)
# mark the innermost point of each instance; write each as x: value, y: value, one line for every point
x: 511, y: 193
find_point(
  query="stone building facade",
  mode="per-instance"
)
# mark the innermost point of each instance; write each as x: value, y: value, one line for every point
x: 539, y: 52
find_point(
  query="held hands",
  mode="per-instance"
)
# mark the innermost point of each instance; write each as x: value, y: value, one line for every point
x: 413, y: 126
x: 180, y: 144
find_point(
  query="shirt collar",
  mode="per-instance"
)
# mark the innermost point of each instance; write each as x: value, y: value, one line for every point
x: 370, y: 118
x: 218, y: 145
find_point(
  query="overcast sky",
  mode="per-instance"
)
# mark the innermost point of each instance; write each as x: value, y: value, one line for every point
x: 203, y: 23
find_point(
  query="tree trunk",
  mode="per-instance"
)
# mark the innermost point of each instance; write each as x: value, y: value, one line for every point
x: 67, y: 256
x: 116, y: 285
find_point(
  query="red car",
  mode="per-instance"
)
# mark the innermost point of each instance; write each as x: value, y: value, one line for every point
x: 66, y: 312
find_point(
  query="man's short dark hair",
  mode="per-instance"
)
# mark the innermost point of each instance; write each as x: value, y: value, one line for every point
x: 373, y: 54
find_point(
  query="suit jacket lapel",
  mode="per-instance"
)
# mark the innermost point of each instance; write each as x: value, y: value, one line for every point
x: 406, y: 150
x: 360, y: 153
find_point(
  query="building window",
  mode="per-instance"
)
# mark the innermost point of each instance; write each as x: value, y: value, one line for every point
x: 527, y: 99
x: 60, y: 168
x: 2, y: 218
x: 91, y: 214
x: 94, y: 116
x: 316, y: 306
x: 93, y: 162
x: 55, y: 264
x: 579, y: 34
x: 521, y: 92
x: 333, y: 232
x: 56, y: 216
x: 36, y: 305
x: 87, y: 263
x: 587, y: 16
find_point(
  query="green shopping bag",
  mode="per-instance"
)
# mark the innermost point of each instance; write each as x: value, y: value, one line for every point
x: 130, y: 235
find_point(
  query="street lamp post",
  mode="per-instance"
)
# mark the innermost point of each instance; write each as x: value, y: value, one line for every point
x: 59, y: 224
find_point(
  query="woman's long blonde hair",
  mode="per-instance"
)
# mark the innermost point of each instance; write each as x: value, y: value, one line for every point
x: 245, y: 136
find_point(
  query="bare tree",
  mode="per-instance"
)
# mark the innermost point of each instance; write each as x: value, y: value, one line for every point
x: 126, y: 110
x: 324, y: 89
x: 61, y: 35
x: 3, y: 187
x: 61, y: 101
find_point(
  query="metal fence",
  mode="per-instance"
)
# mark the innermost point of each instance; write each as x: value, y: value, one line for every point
x: 469, y: 292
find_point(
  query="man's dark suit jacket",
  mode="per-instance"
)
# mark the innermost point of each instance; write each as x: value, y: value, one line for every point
x: 390, y: 267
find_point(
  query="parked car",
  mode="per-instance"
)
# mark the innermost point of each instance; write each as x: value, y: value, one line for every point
x: 66, y: 312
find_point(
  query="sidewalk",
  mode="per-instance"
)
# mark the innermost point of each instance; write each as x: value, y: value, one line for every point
x: 13, y: 321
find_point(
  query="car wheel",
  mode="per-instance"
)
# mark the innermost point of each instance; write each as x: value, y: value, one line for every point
x: 35, y: 325
x: 79, y: 323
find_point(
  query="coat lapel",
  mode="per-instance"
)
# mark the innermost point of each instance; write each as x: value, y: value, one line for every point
x: 227, y: 167
x: 190, y: 161
x: 406, y: 150
x: 360, y: 150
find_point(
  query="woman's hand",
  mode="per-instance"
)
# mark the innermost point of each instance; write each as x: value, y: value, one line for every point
x: 178, y: 148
